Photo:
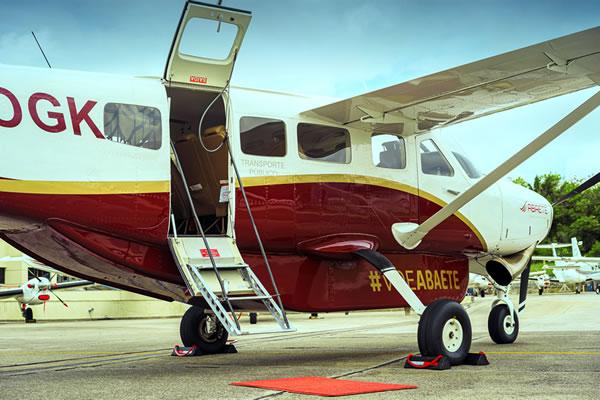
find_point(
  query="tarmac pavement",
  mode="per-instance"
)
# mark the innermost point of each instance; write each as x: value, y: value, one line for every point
x: 557, y: 355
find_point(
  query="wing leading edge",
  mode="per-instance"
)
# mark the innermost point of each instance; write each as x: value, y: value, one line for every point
x: 528, y: 75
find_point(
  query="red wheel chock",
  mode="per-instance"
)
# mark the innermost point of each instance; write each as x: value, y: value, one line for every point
x: 183, y: 351
x: 441, y: 363
x: 424, y: 362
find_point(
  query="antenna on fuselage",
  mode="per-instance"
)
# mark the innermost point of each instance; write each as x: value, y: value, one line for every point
x: 42, y: 50
x: 219, y: 25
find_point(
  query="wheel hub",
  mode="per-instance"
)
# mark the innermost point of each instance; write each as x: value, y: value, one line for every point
x: 452, y: 335
x: 209, y: 329
x: 508, y: 324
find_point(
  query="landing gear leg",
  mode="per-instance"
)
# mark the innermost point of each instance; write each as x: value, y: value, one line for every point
x: 27, y: 314
x: 444, y: 327
x: 503, y: 321
x: 202, y: 330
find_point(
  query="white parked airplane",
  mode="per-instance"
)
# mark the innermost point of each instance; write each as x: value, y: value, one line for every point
x: 37, y: 290
x: 575, y: 269
x: 479, y: 283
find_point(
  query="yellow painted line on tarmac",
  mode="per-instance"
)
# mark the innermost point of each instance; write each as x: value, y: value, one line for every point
x: 558, y: 353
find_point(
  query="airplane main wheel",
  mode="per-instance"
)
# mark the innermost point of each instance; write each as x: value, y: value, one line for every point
x: 482, y: 292
x: 502, y: 327
x: 202, y: 330
x: 28, y: 314
x: 541, y: 291
x: 445, y: 329
x: 598, y: 289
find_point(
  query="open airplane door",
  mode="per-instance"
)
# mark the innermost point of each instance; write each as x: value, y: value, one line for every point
x: 205, y: 46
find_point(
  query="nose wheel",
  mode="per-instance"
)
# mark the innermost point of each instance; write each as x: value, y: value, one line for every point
x: 445, y: 329
x: 202, y: 330
x: 503, y: 327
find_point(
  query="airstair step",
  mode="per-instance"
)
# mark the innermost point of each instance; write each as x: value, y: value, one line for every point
x: 219, y: 267
x: 268, y: 331
x: 240, y: 298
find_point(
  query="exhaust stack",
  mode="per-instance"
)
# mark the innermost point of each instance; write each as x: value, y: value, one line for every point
x: 504, y: 269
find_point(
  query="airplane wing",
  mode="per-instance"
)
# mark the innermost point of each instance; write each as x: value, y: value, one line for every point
x: 72, y: 284
x: 553, y: 245
x: 5, y: 293
x: 567, y: 259
x: 484, y: 87
x: 535, y: 275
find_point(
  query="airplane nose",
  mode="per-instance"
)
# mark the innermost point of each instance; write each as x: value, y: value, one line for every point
x: 526, y: 217
x: 539, y: 214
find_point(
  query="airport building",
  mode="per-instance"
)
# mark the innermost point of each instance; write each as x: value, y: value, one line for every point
x: 90, y: 302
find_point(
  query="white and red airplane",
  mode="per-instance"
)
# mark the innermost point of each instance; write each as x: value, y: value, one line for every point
x: 186, y: 189
x: 480, y: 284
x: 37, y: 290
x: 575, y: 269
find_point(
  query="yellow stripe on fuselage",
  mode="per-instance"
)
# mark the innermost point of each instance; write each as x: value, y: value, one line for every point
x: 358, y: 179
x: 83, y: 188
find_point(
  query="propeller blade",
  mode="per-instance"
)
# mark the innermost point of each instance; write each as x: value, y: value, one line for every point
x: 584, y: 186
x: 34, y: 271
x: 59, y: 299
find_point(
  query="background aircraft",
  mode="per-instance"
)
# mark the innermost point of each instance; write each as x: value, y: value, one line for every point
x: 574, y: 269
x: 479, y: 284
x: 37, y: 290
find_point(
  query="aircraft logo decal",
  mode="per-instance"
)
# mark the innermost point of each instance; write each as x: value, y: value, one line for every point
x: 534, y: 208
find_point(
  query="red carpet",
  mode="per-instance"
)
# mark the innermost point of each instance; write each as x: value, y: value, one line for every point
x: 320, y: 386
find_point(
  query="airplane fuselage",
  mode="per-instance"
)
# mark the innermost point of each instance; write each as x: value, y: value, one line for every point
x: 94, y: 204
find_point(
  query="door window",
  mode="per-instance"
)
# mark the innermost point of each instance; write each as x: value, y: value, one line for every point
x: 388, y: 151
x: 433, y: 161
x: 208, y: 39
x: 467, y: 166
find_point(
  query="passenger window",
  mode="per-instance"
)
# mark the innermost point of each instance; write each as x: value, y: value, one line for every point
x: 262, y: 136
x: 134, y: 125
x: 467, y: 165
x: 433, y: 161
x: 324, y: 143
x: 388, y: 151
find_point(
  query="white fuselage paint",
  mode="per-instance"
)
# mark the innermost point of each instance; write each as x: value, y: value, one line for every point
x: 509, y: 217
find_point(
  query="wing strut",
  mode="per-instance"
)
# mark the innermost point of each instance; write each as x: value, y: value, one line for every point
x: 409, y: 234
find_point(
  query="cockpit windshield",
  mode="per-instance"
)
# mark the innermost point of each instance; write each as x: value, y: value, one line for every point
x: 467, y: 166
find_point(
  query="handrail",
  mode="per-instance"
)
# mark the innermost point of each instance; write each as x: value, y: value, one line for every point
x: 258, y: 239
x: 199, y: 226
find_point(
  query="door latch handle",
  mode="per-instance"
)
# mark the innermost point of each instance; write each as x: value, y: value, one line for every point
x: 453, y: 192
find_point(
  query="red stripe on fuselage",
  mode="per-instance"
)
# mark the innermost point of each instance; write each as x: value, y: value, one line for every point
x: 140, y: 217
x: 288, y: 214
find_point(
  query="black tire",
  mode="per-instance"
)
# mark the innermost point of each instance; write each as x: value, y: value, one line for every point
x: 498, y: 325
x: 28, y: 314
x: 440, y: 315
x: 253, y: 318
x: 194, y: 330
x: 482, y: 293
x: 541, y: 291
x: 598, y: 289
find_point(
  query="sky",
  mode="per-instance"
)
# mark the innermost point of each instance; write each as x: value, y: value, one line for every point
x: 337, y: 48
